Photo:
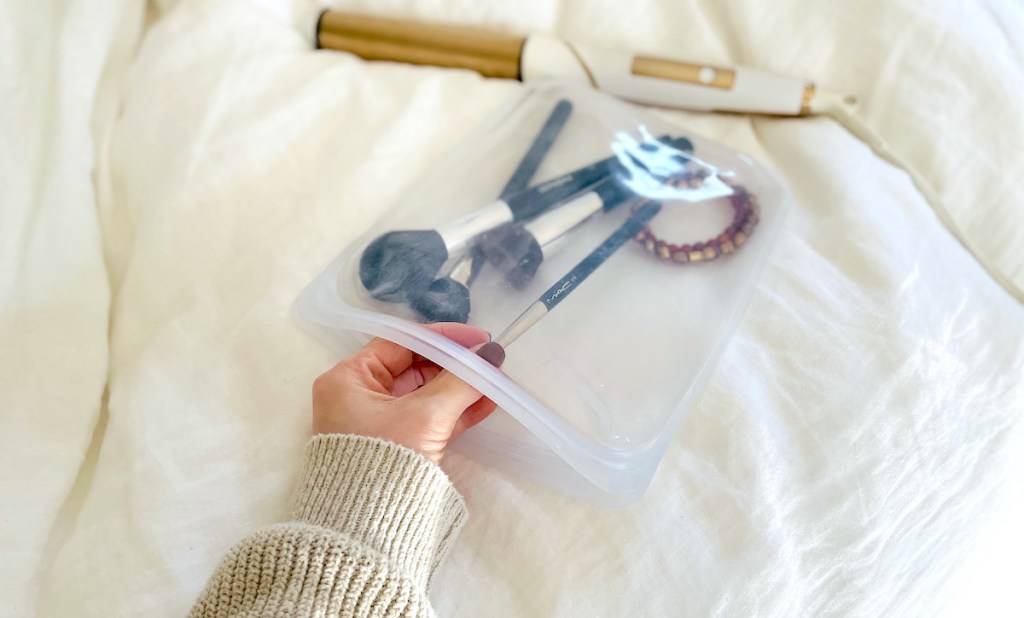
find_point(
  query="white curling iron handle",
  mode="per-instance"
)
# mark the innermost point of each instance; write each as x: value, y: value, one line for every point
x: 666, y: 82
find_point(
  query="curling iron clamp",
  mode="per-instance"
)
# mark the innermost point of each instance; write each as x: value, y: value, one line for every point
x: 640, y: 78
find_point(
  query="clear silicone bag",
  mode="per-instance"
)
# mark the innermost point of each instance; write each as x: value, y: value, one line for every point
x: 631, y: 247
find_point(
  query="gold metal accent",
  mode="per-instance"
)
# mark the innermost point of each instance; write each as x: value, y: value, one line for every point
x: 664, y: 253
x: 521, y: 324
x: 696, y: 256
x: 699, y: 74
x: 805, y: 105
x: 397, y: 40
x: 710, y: 253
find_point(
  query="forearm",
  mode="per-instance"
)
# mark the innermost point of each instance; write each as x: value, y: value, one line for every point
x: 371, y: 522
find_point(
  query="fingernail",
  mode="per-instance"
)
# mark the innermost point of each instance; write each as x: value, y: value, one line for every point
x: 492, y: 353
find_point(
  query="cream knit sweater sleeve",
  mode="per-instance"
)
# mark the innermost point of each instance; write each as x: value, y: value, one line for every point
x: 371, y: 522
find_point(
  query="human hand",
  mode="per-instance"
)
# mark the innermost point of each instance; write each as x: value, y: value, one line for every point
x: 385, y: 391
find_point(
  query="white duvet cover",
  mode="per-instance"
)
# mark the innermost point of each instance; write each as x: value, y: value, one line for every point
x: 859, y: 426
x: 59, y: 66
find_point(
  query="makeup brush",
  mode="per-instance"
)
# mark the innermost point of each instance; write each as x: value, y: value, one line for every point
x: 399, y: 263
x: 517, y: 250
x: 446, y: 299
x: 534, y: 156
x: 579, y: 273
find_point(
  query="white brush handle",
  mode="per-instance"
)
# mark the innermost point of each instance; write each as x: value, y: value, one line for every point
x: 556, y: 222
x: 457, y: 234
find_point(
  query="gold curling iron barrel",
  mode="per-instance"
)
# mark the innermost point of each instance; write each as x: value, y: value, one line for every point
x: 645, y: 79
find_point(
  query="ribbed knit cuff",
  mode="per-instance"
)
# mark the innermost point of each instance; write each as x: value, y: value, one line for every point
x: 384, y: 495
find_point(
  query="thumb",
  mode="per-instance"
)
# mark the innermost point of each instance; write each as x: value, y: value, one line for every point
x: 446, y: 395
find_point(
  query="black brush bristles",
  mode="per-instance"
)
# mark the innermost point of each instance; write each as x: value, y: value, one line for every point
x: 513, y: 251
x: 399, y: 264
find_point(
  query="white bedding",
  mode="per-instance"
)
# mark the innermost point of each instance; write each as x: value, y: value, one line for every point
x: 55, y: 95
x: 860, y: 424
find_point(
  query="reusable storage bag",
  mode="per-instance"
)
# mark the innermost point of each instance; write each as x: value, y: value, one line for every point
x: 611, y: 254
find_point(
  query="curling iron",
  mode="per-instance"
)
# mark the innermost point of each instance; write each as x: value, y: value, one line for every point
x: 651, y: 80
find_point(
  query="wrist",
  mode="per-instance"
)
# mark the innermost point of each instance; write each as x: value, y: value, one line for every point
x: 384, y: 495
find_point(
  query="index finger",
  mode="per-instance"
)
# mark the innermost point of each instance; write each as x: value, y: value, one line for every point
x: 462, y: 334
x: 393, y: 357
x: 397, y: 359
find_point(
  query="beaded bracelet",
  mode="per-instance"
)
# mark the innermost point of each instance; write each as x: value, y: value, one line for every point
x: 746, y: 212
